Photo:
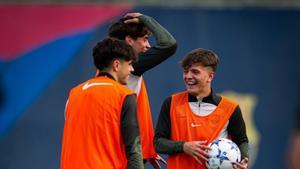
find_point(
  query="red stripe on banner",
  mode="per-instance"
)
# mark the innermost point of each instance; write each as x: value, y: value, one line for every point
x: 23, y: 27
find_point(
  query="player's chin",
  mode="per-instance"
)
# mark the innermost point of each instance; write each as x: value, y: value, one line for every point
x: 190, y: 87
x: 191, y: 91
x: 144, y: 49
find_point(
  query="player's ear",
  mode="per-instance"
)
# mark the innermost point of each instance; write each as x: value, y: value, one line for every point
x: 211, y: 76
x: 129, y: 40
x: 116, y: 65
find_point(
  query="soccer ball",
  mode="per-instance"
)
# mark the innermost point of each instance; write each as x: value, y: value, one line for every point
x: 222, y: 154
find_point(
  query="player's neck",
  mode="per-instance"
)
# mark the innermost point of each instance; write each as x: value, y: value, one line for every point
x: 204, y: 93
x: 112, y: 73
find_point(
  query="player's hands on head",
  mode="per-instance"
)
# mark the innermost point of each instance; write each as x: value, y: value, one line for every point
x: 196, y: 149
x: 133, y: 17
x: 241, y: 165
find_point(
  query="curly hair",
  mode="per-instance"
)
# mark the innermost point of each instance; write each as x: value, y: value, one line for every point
x: 110, y: 49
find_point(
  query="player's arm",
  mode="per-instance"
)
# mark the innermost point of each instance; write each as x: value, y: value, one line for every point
x: 164, y: 48
x: 237, y: 130
x: 162, y: 142
x: 131, y: 134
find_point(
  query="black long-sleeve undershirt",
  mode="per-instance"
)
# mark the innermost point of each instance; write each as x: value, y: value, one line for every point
x: 164, y: 48
x: 131, y: 133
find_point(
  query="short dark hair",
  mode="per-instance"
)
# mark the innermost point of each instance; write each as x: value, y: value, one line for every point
x: 110, y: 49
x: 120, y: 29
x: 200, y: 56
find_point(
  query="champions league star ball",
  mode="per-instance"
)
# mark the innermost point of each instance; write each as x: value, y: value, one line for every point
x: 223, y: 154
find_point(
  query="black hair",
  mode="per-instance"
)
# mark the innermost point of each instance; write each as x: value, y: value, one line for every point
x: 110, y: 49
x: 121, y: 29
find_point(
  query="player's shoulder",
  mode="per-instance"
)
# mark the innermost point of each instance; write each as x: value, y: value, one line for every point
x: 179, y: 93
x: 228, y: 100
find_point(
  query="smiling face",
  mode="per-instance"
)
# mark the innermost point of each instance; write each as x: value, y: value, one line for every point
x: 197, y: 79
x: 199, y: 67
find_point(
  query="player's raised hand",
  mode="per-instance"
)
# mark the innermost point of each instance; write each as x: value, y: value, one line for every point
x: 133, y: 14
x: 133, y: 17
x: 196, y: 149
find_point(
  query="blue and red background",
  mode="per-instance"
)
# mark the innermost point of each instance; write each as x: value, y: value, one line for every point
x: 45, y: 50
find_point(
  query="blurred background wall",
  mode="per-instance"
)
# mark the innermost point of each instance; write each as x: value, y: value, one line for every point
x: 45, y: 50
